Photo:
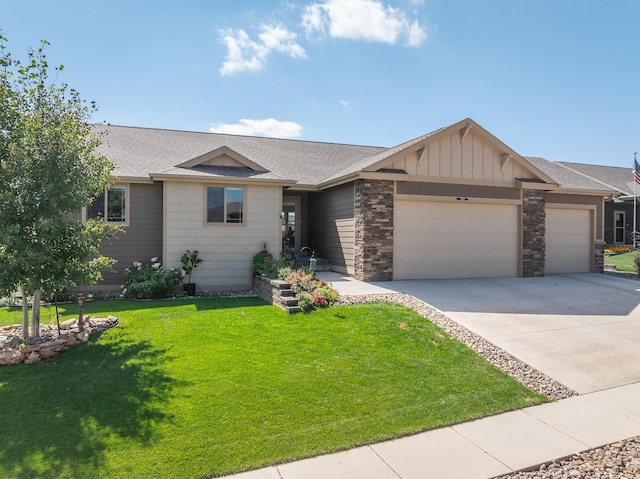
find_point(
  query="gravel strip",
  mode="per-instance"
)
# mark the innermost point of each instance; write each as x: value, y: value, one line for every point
x: 612, y: 271
x: 520, y: 371
x: 620, y: 460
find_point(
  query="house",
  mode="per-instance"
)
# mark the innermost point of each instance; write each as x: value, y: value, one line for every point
x: 453, y: 203
x: 618, y: 217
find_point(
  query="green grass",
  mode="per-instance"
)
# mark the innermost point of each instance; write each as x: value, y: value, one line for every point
x: 194, y: 388
x: 622, y: 262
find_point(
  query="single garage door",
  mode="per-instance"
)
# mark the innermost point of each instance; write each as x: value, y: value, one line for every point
x: 568, y: 240
x: 454, y: 240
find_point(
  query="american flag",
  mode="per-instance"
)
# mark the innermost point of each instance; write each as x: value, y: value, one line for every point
x: 636, y: 171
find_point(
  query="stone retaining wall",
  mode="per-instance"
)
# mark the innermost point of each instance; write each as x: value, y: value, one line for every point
x: 12, y: 351
x: 276, y: 292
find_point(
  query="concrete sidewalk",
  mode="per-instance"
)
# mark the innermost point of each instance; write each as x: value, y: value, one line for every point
x: 484, y: 448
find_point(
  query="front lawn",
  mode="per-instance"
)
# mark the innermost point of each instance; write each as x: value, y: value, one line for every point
x: 622, y: 262
x: 204, y: 387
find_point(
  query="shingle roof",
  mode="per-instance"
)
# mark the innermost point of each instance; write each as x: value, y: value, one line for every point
x: 380, y: 156
x: 618, y: 178
x: 568, y: 179
x: 140, y: 151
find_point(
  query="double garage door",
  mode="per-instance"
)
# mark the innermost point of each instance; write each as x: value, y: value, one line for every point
x: 454, y: 240
x: 462, y: 240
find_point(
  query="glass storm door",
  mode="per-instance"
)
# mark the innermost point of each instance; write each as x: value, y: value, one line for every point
x: 619, y: 227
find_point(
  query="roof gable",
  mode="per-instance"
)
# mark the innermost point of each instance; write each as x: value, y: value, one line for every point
x: 462, y: 151
x: 223, y: 156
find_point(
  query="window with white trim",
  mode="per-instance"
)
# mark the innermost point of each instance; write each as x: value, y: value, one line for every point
x: 225, y: 205
x: 110, y: 205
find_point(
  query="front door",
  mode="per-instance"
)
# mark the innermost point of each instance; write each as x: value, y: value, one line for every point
x: 290, y: 220
x: 619, y: 228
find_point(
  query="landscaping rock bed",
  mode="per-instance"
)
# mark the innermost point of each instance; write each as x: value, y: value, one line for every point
x: 612, y: 271
x: 514, y: 367
x: 620, y: 460
x: 14, y: 350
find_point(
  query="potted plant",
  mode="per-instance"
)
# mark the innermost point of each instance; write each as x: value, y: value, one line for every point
x: 190, y: 260
x: 262, y: 260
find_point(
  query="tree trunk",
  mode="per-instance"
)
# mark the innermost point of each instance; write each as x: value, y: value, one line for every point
x: 25, y: 313
x: 35, y: 314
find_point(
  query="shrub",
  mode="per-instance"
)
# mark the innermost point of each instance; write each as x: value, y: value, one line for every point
x: 150, y: 281
x: 636, y: 261
x: 305, y: 301
x: 310, y: 291
x: 262, y: 261
x: 324, y: 296
x: 301, y: 281
x: 285, y: 272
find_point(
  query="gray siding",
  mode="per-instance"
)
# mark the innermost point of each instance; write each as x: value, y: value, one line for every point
x: 446, y: 189
x: 609, y: 211
x: 331, y: 225
x: 141, y: 240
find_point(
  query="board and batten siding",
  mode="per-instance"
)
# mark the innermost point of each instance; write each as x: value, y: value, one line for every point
x: 227, y: 250
x: 141, y: 239
x: 332, y: 226
x: 475, y: 158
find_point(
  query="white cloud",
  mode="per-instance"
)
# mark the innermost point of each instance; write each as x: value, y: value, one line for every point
x: 245, y: 54
x: 269, y: 127
x: 345, y: 104
x: 368, y: 20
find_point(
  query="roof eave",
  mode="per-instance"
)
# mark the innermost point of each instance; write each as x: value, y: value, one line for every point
x: 131, y: 179
x: 220, y: 179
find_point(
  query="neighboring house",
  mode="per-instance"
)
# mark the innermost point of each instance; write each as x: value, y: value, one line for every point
x: 618, y: 218
x: 453, y: 203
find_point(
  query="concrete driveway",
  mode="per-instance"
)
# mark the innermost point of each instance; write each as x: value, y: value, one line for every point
x: 581, y: 329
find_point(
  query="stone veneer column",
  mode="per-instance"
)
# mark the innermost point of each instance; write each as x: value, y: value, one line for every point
x: 373, y: 248
x: 533, y: 233
x: 598, y: 260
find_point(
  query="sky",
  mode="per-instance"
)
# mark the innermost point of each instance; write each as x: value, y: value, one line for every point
x: 551, y: 78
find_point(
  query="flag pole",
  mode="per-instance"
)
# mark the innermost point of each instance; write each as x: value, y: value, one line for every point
x: 635, y: 181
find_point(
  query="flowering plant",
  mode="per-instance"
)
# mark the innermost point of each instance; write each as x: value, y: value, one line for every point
x: 311, y: 292
x: 150, y: 281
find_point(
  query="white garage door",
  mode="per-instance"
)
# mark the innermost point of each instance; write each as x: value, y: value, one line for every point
x: 568, y: 241
x: 454, y: 240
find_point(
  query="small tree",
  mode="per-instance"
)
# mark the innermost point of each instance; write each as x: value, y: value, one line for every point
x: 48, y: 172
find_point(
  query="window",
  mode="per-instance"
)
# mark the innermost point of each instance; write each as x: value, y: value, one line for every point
x: 110, y: 205
x: 225, y: 205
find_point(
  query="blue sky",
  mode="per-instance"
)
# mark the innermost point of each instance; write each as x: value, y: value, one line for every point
x: 551, y: 78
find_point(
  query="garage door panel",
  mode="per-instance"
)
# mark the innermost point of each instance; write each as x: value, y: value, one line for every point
x: 568, y: 240
x: 451, y: 240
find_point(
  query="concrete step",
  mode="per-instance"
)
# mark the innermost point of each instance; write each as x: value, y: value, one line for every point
x: 291, y: 301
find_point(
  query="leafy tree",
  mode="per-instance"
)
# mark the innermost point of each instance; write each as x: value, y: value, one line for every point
x: 49, y: 171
